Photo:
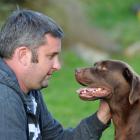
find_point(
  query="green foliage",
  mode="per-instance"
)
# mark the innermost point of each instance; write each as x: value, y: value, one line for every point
x: 116, y: 17
x: 134, y: 61
x: 108, y: 13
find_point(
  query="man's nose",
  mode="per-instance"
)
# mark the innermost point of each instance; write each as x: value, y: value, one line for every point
x: 57, y: 65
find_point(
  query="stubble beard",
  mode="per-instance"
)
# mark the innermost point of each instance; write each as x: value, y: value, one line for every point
x: 44, y: 82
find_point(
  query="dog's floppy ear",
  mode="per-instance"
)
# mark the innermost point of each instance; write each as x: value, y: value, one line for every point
x: 134, y: 94
x: 134, y: 82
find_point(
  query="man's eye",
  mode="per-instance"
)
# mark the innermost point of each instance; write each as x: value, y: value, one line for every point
x: 51, y: 57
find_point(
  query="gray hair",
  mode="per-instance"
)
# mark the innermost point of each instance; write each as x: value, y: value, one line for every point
x: 26, y: 27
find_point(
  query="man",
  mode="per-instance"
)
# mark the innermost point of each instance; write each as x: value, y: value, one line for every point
x: 30, y: 43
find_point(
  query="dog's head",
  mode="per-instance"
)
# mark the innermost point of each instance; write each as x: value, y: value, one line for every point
x: 106, y: 79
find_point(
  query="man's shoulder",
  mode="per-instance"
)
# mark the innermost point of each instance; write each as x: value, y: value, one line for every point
x: 7, y: 93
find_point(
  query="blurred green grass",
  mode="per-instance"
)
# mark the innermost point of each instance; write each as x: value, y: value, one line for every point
x: 61, y: 93
x: 61, y: 97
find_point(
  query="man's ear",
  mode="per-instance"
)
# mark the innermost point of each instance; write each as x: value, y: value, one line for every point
x: 134, y: 82
x: 23, y: 55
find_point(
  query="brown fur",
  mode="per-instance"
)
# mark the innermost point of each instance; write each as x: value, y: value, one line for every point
x: 124, y: 98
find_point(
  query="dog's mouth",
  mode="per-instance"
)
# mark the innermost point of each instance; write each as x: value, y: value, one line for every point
x: 93, y: 93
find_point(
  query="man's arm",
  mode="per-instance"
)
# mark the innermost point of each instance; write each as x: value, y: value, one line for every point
x: 103, y: 113
x: 13, y: 121
x: 89, y: 128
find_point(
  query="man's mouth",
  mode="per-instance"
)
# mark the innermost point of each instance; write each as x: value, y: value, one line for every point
x: 49, y: 75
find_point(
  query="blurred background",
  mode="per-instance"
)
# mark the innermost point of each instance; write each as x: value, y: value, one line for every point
x: 94, y: 30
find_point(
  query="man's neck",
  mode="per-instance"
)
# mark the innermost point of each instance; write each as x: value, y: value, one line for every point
x: 18, y: 72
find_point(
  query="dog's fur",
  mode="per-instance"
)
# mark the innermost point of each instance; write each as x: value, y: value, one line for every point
x: 120, y: 87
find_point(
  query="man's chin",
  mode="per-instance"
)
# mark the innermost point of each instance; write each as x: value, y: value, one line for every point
x: 41, y: 87
x: 44, y: 84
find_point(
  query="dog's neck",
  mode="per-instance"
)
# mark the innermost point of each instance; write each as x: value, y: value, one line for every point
x: 124, y: 117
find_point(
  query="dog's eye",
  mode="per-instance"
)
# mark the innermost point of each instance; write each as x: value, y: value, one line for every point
x: 102, y: 68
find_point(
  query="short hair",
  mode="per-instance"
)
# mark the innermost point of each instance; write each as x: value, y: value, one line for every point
x: 26, y: 27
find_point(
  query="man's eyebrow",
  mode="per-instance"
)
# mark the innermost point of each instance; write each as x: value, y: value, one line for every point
x: 53, y: 53
x: 56, y: 52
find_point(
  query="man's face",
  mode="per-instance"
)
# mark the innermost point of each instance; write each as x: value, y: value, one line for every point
x: 48, y: 62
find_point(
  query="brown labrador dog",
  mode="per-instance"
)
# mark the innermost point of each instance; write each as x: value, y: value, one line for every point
x: 115, y: 82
